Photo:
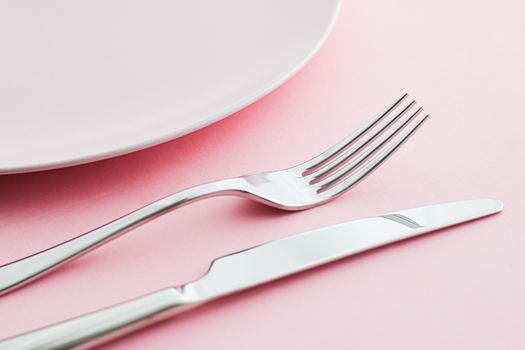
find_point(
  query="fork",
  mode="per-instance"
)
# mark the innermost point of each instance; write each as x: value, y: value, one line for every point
x: 307, y: 185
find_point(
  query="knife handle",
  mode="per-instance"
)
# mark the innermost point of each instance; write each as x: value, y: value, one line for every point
x: 100, y: 326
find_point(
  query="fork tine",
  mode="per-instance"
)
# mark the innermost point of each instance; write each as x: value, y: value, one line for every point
x: 334, y: 177
x: 373, y: 163
x: 323, y: 172
x: 313, y: 164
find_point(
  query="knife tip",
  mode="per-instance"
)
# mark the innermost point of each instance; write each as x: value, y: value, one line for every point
x: 452, y: 213
x: 494, y: 205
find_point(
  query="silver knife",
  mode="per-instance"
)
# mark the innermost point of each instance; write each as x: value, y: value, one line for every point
x: 249, y: 268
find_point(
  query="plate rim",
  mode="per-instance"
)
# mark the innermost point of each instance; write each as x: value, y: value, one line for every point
x: 154, y: 140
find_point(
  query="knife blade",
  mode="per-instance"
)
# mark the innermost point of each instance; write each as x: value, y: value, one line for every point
x: 299, y: 252
x: 252, y: 267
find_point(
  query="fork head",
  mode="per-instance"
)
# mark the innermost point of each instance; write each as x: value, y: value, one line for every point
x: 340, y: 167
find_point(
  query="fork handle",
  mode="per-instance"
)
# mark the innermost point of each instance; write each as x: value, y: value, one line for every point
x: 20, y: 272
x: 104, y: 325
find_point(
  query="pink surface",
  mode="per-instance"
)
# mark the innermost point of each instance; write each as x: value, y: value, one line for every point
x: 459, y: 288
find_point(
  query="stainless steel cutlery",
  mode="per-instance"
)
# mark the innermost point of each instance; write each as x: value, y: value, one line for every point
x: 309, y: 184
x: 252, y: 267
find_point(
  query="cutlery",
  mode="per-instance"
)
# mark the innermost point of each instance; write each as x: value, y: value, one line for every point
x: 252, y: 267
x: 307, y: 185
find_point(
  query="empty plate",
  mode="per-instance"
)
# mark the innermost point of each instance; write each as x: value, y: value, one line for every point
x: 87, y: 80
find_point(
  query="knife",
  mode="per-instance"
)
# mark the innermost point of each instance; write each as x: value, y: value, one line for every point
x: 249, y: 268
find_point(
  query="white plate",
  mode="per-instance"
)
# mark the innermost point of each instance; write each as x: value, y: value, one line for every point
x: 87, y: 80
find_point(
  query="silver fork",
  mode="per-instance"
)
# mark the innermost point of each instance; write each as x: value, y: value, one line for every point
x: 307, y: 185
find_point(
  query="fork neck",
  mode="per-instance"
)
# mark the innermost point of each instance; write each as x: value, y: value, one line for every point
x: 212, y: 189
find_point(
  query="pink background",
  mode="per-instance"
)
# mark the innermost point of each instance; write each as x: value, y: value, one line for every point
x: 459, y: 288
